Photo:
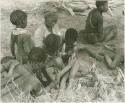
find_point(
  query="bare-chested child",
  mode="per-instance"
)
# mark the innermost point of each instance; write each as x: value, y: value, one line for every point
x: 69, y: 44
x: 28, y: 78
x: 20, y: 37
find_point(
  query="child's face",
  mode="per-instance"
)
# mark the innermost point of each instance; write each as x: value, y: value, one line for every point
x: 50, y: 22
x: 24, y: 23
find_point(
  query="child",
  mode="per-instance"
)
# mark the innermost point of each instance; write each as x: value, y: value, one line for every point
x: 69, y: 44
x: 20, y: 36
x: 49, y: 26
x: 78, y: 66
x: 54, y: 62
x: 37, y: 58
x: 94, y: 32
x: 52, y: 44
x: 27, y: 80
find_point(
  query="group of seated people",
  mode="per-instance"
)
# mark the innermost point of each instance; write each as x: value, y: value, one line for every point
x: 50, y: 58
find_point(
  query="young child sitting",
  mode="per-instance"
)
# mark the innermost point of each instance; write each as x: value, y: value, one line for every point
x: 49, y: 26
x: 29, y: 74
x: 20, y: 36
x: 69, y: 43
x: 80, y: 65
x: 37, y: 59
x: 54, y: 62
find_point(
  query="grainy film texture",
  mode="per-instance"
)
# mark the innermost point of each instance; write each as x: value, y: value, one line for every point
x: 62, y: 50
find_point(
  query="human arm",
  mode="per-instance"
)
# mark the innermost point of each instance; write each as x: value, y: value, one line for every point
x: 12, y: 44
x: 100, y: 28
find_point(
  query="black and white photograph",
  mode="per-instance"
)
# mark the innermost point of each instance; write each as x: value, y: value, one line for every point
x: 62, y: 51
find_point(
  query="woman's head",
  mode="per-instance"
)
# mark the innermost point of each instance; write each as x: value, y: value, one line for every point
x: 51, y: 19
x: 102, y: 5
x: 19, y: 18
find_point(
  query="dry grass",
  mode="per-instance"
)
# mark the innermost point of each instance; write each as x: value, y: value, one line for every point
x: 93, y: 87
x: 102, y: 91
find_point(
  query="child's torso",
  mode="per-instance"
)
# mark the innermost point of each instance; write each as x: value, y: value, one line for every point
x: 23, y: 41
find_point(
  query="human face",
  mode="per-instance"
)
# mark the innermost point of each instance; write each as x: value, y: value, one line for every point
x: 24, y: 24
x: 105, y: 7
x: 50, y: 22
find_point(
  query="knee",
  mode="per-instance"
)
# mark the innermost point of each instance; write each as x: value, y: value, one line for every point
x: 36, y: 90
x: 113, y: 30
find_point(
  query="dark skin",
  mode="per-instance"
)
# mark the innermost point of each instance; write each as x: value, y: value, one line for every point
x: 13, y: 41
x: 19, y: 40
x: 94, y: 23
x: 50, y: 22
x: 14, y: 38
x: 68, y: 50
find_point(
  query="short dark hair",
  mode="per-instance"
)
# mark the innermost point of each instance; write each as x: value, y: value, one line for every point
x: 100, y: 3
x: 52, y: 43
x: 37, y: 54
x: 71, y: 35
x: 17, y: 17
